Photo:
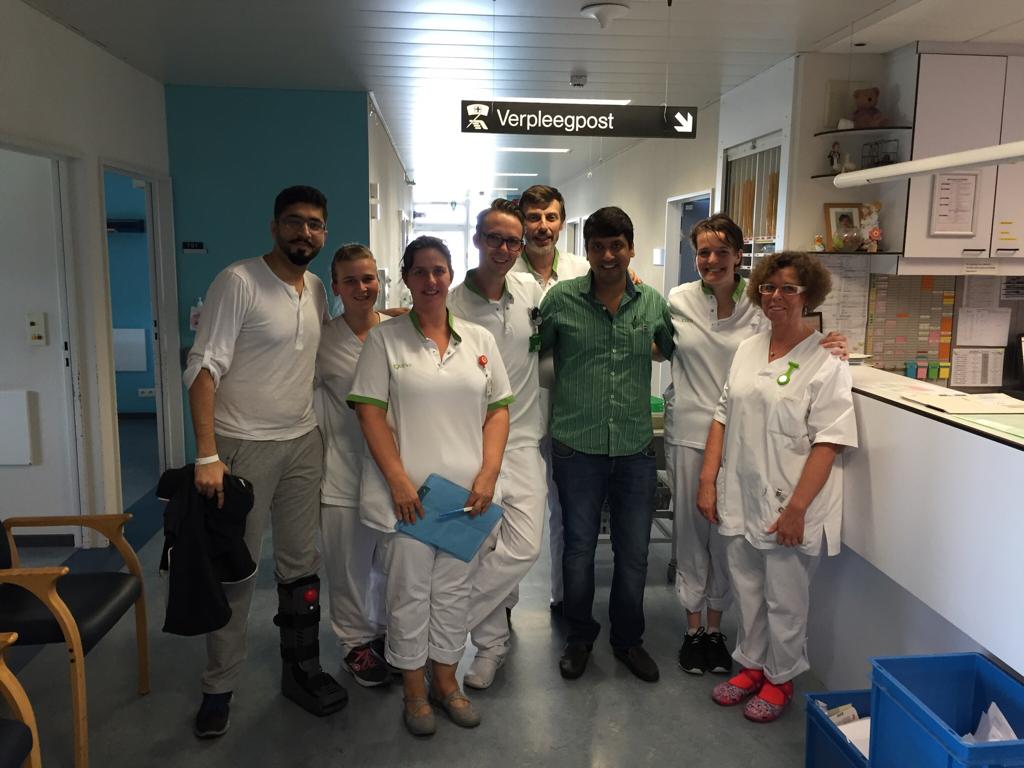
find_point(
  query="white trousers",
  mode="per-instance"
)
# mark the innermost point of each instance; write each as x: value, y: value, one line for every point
x: 428, y: 601
x: 772, y: 588
x: 354, y: 566
x: 515, y: 549
x: 555, y: 535
x: 702, y: 570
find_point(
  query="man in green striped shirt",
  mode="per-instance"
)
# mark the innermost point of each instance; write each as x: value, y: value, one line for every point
x: 601, y: 329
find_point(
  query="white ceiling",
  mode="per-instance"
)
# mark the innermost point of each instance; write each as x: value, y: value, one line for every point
x: 421, y: 57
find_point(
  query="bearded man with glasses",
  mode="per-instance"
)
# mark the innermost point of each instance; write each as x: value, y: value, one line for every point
x: 250, y: 380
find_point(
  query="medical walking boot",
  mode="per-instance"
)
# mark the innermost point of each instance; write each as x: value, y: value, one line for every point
x: 302, y: 679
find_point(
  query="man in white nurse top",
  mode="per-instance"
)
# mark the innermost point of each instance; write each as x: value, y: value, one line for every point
x: 250, y: 383
x: 543, y: 208
x: 507, y: 305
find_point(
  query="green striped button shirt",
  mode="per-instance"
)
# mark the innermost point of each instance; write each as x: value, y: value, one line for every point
x: 601, y: 401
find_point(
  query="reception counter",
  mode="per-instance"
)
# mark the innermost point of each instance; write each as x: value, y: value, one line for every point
x: 933, y: 532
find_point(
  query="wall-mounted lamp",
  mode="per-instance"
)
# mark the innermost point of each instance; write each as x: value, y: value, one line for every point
x: 1012, y: 152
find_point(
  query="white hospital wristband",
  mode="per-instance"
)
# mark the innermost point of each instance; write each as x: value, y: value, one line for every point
x: 207, y: 460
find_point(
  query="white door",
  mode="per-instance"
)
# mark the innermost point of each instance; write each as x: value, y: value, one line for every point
x: 32, y: 265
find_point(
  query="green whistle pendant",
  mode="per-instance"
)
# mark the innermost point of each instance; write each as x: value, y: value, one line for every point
x: 785, y: 378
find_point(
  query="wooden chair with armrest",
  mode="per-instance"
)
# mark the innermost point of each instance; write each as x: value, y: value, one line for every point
x: 52, y: 605
x: 19, y: 739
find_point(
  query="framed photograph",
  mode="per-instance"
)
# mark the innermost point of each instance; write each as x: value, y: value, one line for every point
x: 814, y: 321
x: 841, y: 219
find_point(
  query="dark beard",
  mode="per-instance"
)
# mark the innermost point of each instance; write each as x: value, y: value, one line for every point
x: 299, y: 259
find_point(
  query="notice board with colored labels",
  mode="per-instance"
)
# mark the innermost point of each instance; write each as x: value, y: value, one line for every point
x: 910, y: 325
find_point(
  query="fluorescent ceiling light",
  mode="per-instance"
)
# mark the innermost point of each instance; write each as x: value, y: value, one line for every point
x: 613, y: 102
x: 499, y: 173
x: 556, y: 150
x: 1000, y: 153
x: 504, y: 189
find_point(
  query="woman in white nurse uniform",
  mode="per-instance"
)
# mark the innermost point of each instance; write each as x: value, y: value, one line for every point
x: 710, y: 317
x: 771, y: 479
x: 432, y: 395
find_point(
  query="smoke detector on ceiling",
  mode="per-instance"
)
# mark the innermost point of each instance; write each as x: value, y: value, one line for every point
x: 578, y: 79
x: 605, y: 13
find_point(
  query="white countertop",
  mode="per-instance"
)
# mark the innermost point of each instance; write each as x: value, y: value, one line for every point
x: 883, y: 385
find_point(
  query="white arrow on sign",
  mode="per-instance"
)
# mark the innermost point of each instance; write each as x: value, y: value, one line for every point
x: 685, y: 123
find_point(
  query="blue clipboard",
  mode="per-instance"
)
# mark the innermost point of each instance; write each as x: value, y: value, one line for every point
x: 445, y: 524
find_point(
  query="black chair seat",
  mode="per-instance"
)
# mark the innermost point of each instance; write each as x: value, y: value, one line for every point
x: 96, y: 600
x: 15, y: 743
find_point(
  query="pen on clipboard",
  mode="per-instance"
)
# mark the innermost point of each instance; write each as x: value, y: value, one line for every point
x: 454, y: 513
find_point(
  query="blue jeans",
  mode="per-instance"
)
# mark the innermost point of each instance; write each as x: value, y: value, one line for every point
x: 585, y: 481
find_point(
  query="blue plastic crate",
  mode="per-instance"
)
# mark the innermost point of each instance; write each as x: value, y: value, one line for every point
x: 922, y: 704
x: 826, y: 746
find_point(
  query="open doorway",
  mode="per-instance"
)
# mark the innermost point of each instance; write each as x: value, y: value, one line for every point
x: 137, y: 359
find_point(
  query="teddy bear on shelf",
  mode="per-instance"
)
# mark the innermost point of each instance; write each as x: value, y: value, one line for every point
x: 867, y: 114
x: 870, y: 230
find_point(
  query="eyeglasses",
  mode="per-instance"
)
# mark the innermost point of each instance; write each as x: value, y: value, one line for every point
x: 297, y: 222
x: 494, y: 240
x: 787, y: 289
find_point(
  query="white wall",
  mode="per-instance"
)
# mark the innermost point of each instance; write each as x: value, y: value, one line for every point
x: 395, y: 195
x: 640, y: 180
x: 63, y: 95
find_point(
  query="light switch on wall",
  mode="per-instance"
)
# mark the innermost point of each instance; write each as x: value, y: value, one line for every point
x: 35, y: 326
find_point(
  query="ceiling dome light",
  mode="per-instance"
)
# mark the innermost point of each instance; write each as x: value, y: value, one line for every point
x: 604, y: 12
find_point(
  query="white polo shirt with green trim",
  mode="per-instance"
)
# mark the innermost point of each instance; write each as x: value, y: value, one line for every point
x: 514, y: 322
x: 436, y: 406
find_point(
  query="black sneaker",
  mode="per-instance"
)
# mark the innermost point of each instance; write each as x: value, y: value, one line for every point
x: 719, y: 659
x: 693, y: 654
x: 367, y: 667
x: 214, y: 715
x: 639, y: 662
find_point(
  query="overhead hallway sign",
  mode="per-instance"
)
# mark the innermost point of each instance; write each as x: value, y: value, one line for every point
x: 569, y: 119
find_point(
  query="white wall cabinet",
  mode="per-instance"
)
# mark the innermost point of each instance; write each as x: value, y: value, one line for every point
x: 959, y: 106
x: 1008, y: 219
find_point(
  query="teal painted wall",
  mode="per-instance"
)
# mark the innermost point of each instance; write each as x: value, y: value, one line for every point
x: 233, y: 149
x: 130, y: 299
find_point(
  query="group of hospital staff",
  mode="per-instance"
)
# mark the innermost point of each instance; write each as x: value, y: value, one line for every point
x: 498, y: 384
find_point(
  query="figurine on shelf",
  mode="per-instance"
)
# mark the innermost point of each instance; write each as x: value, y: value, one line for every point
x: 819, y: 243
x: 848, y: 164
x: 834, y: 158
x: 870, y: 229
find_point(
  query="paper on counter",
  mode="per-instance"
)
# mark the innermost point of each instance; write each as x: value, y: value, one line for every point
x: 859, y: 734
x: 960, y: 402
x: 982, y: 327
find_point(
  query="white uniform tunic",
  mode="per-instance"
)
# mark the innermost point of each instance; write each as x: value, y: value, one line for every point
x: 514, y: 322
x: 344, y: 446
x: 705, y: 346
x: 769, y: 431
x: 353, y: 553
x: 435, y: 407
x: 258, y: 339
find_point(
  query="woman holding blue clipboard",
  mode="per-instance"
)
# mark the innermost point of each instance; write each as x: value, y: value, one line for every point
x: 432, y: 397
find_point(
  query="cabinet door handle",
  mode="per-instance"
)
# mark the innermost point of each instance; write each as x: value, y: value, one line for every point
x: 1006, y: 251
x: 968, y: 253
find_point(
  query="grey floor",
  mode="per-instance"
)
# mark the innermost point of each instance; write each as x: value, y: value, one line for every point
x: 531, y: 717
